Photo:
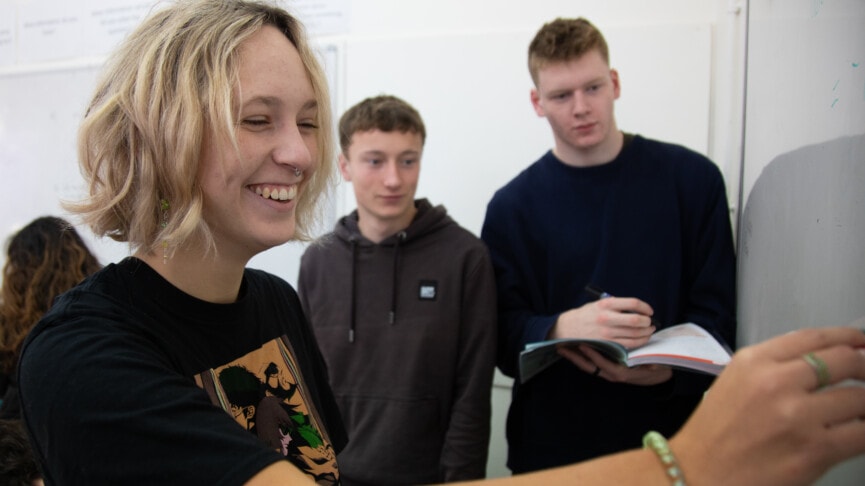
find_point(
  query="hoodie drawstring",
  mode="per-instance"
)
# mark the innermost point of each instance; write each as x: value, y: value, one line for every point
x: 400, y: 237
x: 353, y: 242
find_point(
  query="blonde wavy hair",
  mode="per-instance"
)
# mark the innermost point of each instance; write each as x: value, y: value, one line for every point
x: 171, y: 82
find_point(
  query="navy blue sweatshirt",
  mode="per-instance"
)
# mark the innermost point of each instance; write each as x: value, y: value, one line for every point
x: 652, y: 224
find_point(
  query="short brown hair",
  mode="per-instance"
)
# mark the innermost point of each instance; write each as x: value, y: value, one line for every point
x: 385, y: 112
x: 563, y: 40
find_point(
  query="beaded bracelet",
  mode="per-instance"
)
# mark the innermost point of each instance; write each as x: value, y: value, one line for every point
x: 655, y: 441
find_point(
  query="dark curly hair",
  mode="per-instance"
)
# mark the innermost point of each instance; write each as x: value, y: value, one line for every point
x: 17, y: 465
x: 44, y: 259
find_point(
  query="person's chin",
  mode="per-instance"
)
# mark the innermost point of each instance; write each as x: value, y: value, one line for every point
x: 273, y: 239
x: 392, y: 211
x: 588, y: 142
x: 396, y: 206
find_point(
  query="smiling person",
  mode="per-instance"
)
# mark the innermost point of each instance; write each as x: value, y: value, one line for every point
x: 402, y: 301
x: 644, y: 220
x: 206, y: 142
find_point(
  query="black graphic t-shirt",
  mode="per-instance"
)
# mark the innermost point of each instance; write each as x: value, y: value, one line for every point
x: 128, y: 380
x: 270, y: 400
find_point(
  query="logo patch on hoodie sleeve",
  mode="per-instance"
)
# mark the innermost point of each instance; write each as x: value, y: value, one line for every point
x: 427, y: 290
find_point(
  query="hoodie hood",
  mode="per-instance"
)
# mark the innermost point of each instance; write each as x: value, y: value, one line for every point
x: 428, y: 219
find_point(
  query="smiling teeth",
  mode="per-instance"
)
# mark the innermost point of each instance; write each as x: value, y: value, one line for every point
x: 281, y: 194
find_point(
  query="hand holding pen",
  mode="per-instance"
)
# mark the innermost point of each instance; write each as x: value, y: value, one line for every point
x: 602, y: 294
x: 622, y: 319
x: 626, y: 320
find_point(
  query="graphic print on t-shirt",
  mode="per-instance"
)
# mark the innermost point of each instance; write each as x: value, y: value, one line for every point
x: 261, y: 391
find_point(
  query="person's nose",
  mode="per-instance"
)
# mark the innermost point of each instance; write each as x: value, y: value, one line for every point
x: 581, y: 106
x: 392, y: 176
x: 291, y: 149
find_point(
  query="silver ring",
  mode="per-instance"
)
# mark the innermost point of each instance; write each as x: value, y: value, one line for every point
x: 297, y: 171
x: 820, y: 369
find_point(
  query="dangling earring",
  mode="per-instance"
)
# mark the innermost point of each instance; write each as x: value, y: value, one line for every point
x: 164, y: 207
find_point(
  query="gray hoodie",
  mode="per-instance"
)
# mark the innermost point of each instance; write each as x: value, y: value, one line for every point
x: 408, y: 330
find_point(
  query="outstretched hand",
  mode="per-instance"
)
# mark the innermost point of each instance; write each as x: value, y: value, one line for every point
x: 768, y: 420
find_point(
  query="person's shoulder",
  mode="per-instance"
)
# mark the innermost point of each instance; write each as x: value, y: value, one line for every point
x: 458, y: 237
x: 323, y: 243
x: 676, y: 156
x: 526, y: 181
x: 262, y: 279
x: 102, y: 294
x: 661, y: 147
x: 533, y: 171
x: 668, y: 150
x: 322, y: 247
x: 85, y: 324
x: 458, y: 243
x: 264, y: 290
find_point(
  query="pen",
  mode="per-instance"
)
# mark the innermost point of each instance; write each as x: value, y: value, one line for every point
x: 602, y: 294
x: 596, y: 292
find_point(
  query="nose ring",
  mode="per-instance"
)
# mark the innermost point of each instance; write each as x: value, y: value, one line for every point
x: 297, y: 171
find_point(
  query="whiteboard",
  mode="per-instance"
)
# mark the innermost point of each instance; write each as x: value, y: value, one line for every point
x: 38, y: 160
x: 802, y: 230
x: 802, y: 245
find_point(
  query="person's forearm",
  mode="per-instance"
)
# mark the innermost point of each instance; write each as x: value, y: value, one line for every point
x: 636, y: 467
